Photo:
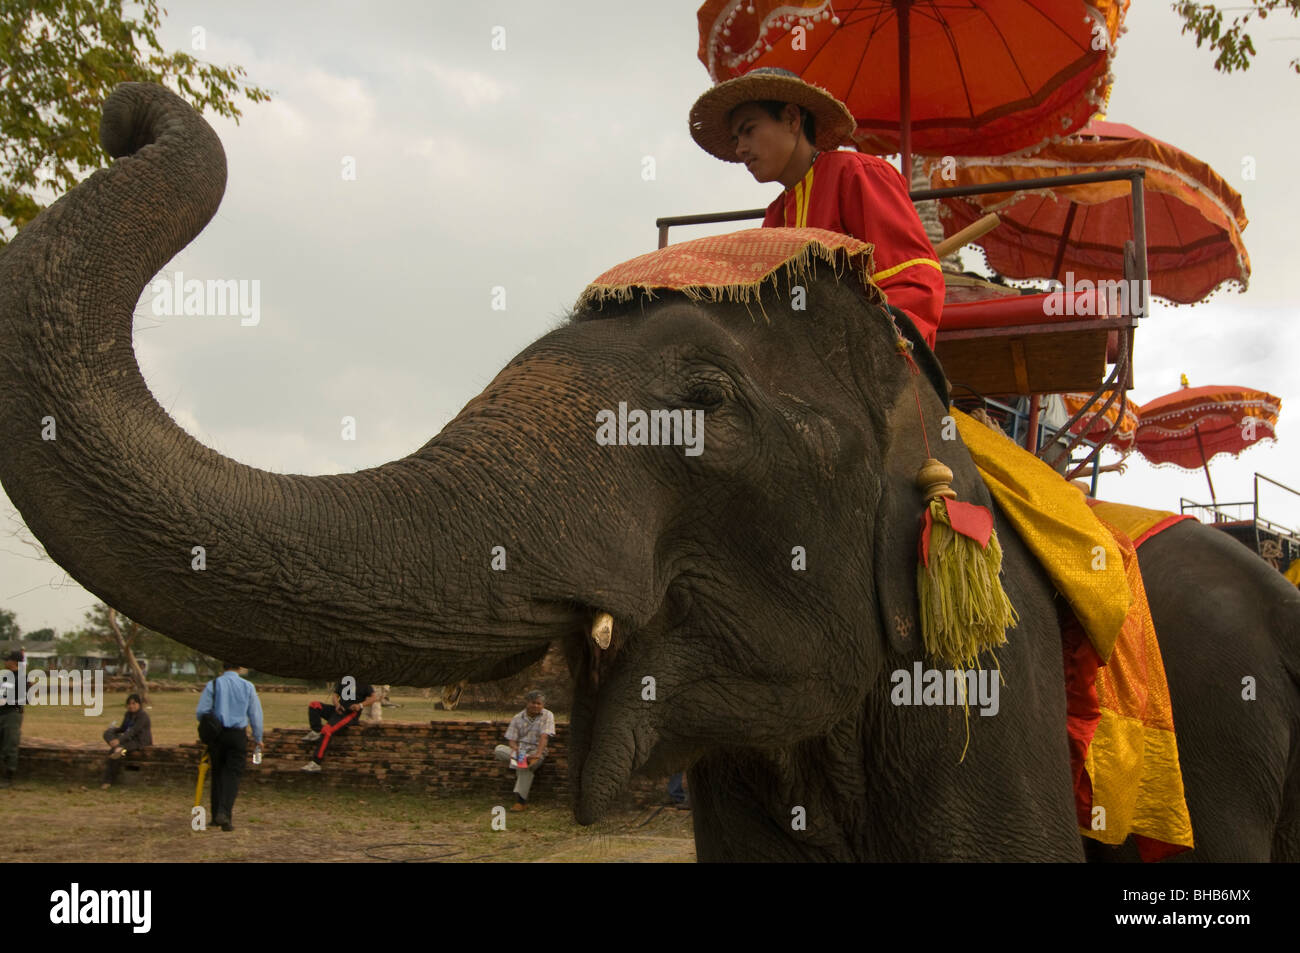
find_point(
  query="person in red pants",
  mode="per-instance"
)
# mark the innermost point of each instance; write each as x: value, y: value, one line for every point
x: 327, y: 719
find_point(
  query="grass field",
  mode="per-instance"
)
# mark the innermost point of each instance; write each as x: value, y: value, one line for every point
x: 172, y: 715
x: 153, y: 823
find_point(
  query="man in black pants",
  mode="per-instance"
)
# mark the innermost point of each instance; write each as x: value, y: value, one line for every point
x: 234, y: 701
x: 329, y: 718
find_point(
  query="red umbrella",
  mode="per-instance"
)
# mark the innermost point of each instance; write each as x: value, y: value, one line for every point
x: 1193, y: 425
x: 1194, y: 218
x: 992, y: 76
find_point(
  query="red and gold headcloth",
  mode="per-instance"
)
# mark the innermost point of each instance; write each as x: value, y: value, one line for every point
x: 736, y: 266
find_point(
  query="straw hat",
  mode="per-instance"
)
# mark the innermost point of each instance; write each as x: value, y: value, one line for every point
x: 710, y: 128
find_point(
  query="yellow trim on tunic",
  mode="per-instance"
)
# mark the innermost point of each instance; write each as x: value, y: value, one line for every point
x: 803, y: 198
x: 890, y: 272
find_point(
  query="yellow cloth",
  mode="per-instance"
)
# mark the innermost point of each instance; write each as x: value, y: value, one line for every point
x: 1132, y: 762
x: 1133, y: 521
x: 1293, y: 572
x: 1133, y: 759
x: 1078, y: 554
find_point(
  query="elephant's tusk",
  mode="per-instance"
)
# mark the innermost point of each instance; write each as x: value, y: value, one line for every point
x: 602, y: 630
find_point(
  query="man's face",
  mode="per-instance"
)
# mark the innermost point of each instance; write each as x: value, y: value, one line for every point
x: 764, y: 144
x: 133, y: 706
x: 535, y: 706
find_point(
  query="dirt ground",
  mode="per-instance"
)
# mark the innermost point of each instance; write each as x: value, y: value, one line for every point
x: 61, y: 822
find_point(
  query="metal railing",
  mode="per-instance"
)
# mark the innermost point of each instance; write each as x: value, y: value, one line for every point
x: 1247, y: 511
x: 1137, y: 192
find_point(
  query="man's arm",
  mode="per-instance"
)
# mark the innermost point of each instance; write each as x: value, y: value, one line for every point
x: 876, y: 208
x: 205, y: 701
x: 548, y: 732
x: 255, y: 714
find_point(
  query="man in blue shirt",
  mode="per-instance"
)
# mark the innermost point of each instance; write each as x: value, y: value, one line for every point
x: 234, y: 701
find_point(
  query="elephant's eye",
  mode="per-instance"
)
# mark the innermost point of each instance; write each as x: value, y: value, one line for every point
x: 705, y: 393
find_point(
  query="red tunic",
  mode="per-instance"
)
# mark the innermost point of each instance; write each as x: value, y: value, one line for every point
x: 866, y: 197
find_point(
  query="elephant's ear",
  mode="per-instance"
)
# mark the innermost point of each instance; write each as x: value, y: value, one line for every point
x: 898, y: 531
x: 898, y: 520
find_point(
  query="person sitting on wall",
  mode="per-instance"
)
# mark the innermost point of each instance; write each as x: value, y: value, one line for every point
x: 528, y: 737
x: 785, y: 130
x: 327, y: 719
x: 126, y: 740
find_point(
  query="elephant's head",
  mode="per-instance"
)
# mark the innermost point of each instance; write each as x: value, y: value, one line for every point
x: 755, y: 587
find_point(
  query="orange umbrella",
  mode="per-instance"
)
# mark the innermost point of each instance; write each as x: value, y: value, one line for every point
x: 1194, y: 219
x: 1096, y: 426
x: 991, y: 76
x: 1193, y: 425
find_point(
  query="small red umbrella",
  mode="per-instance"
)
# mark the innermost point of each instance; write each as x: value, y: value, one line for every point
x: 1193, y: 425
x: 938, y: 77
x: 1194, y: 218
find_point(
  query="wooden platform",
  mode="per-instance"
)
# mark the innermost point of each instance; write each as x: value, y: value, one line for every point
x: 1030, y: 359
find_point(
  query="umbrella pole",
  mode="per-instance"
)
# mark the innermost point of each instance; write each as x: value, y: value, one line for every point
x: 1205, y: 464
x: 1065, y: 240
x: 905, y: 86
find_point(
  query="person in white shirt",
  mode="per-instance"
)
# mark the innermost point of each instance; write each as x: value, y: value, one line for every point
x: 529, y: 734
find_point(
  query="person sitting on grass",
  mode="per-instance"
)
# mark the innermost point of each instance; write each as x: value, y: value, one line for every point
x: 126, y: 739
x: 529, y: 734
x: 329, y: 718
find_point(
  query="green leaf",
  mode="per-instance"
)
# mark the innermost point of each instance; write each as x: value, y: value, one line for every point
x: 59, y: 60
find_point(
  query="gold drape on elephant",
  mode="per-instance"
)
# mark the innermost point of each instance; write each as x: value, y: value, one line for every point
x: 1132, y: 762
x: 1050, y: 515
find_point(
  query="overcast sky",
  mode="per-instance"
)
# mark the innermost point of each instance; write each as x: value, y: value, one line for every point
x: 522, y: 168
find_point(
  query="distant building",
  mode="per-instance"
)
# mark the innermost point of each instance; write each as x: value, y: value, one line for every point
x: 37, y: 654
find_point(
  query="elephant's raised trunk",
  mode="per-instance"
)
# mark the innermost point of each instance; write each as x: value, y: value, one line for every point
x: 313, y: 576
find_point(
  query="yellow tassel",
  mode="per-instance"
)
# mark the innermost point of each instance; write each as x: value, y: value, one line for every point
x: 964, y: 609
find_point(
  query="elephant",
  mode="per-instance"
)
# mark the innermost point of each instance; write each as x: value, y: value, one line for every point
x: 768, y: 676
